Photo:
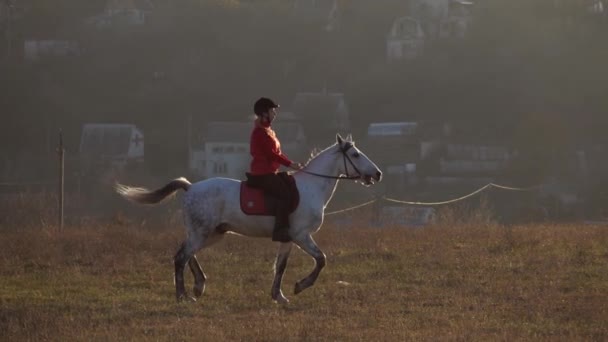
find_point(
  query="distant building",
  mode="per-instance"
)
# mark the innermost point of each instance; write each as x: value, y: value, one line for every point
x: 393, y: 142
x: 322, y: 114
x: 596, y: 6
x: 405, y: 39
x: 458, y: 20
x: 418, y: 158
x: 391, y: 129
x: 224, y: 150
x: 462, y: 159
x: 122, y: 13
x: 395, y: 147
x: 443, y: 18
x: 114, y: 145
x: 36, y: 50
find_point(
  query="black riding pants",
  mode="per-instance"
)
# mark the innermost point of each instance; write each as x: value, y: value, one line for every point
x: 276, y: 185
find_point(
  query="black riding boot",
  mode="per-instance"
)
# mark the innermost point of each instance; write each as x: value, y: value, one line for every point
x: 281, y: 226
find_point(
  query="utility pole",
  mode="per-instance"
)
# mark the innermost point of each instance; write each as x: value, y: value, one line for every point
x: 61, y: 192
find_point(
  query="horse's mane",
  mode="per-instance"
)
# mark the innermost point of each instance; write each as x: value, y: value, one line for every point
x: 317, y: 151
x: 314, y: 153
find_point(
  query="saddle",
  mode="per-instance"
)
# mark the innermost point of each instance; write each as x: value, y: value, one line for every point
x: 255, y: 201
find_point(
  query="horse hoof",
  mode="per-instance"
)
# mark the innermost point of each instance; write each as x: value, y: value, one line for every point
x: 183, y: 298
x: 280, y: 299
x: 298, y: 289
x: 198, y: 291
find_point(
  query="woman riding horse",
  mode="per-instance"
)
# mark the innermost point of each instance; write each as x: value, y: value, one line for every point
x: 265, y: 150
x: 212, y: 208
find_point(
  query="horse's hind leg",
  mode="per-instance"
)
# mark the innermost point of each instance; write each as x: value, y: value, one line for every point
x: 309, y: 246
x: 180, y: 260
x: 195, y: 267
x: 279, y: 269
x: 182, y: 257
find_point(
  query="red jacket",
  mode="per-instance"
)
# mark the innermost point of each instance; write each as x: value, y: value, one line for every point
x: 265, y: 149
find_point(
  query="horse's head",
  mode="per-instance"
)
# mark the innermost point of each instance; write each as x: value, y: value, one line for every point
x: 356, y: 163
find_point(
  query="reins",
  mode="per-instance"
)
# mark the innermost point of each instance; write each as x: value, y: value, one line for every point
x: 345, y: 157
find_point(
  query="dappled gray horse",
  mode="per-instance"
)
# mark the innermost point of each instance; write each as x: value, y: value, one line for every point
x: 212, y: 208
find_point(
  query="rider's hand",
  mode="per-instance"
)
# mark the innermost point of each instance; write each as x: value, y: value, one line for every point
x: 296, y: 166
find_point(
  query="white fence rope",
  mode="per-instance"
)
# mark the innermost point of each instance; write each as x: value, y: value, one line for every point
x: 489, y: 185
x: 502, y: 187
x: 351, y: 208
x: 483, y: 188
x: 440, y: 203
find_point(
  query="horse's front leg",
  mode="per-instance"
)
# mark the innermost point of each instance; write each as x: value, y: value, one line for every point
x: 279, y: 269
x: 309, y: 246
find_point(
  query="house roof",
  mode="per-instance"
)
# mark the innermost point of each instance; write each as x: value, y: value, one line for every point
x: 463, y: 2
x: 107, y: 139
x: 391, y: 128
x: 240, y: 132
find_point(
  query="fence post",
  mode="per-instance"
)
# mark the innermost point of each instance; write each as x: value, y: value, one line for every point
x: 61, y: 152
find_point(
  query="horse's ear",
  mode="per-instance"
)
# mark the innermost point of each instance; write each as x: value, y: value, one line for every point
x: 339, y: 139
x: 349, y: 137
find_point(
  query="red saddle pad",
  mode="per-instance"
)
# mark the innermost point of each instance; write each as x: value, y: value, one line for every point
x: 255, y: 202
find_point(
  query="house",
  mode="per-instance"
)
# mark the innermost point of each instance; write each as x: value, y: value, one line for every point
x: 35, y: 50
x: 224, y: 148
x: 430, y: 14
x: 395, y: 147
x: 122, y: 13
x: 393, y: 142
x: 462, y: 159
x: 458, y: 20
x: 405, y: 39
x: 443, y: 18
x: 420, y: 159
x: 111, y: 144
x: 322, y: 114
x: 596, y: 6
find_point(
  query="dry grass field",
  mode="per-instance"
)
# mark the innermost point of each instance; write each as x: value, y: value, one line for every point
x: 471, y: 281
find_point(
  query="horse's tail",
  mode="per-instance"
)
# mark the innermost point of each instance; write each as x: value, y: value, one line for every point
x: 145, y: 196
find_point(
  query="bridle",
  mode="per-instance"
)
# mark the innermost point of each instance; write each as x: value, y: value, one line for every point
x: 345, y: 157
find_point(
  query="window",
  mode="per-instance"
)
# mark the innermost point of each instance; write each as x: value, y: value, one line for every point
x: 220, y: 168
